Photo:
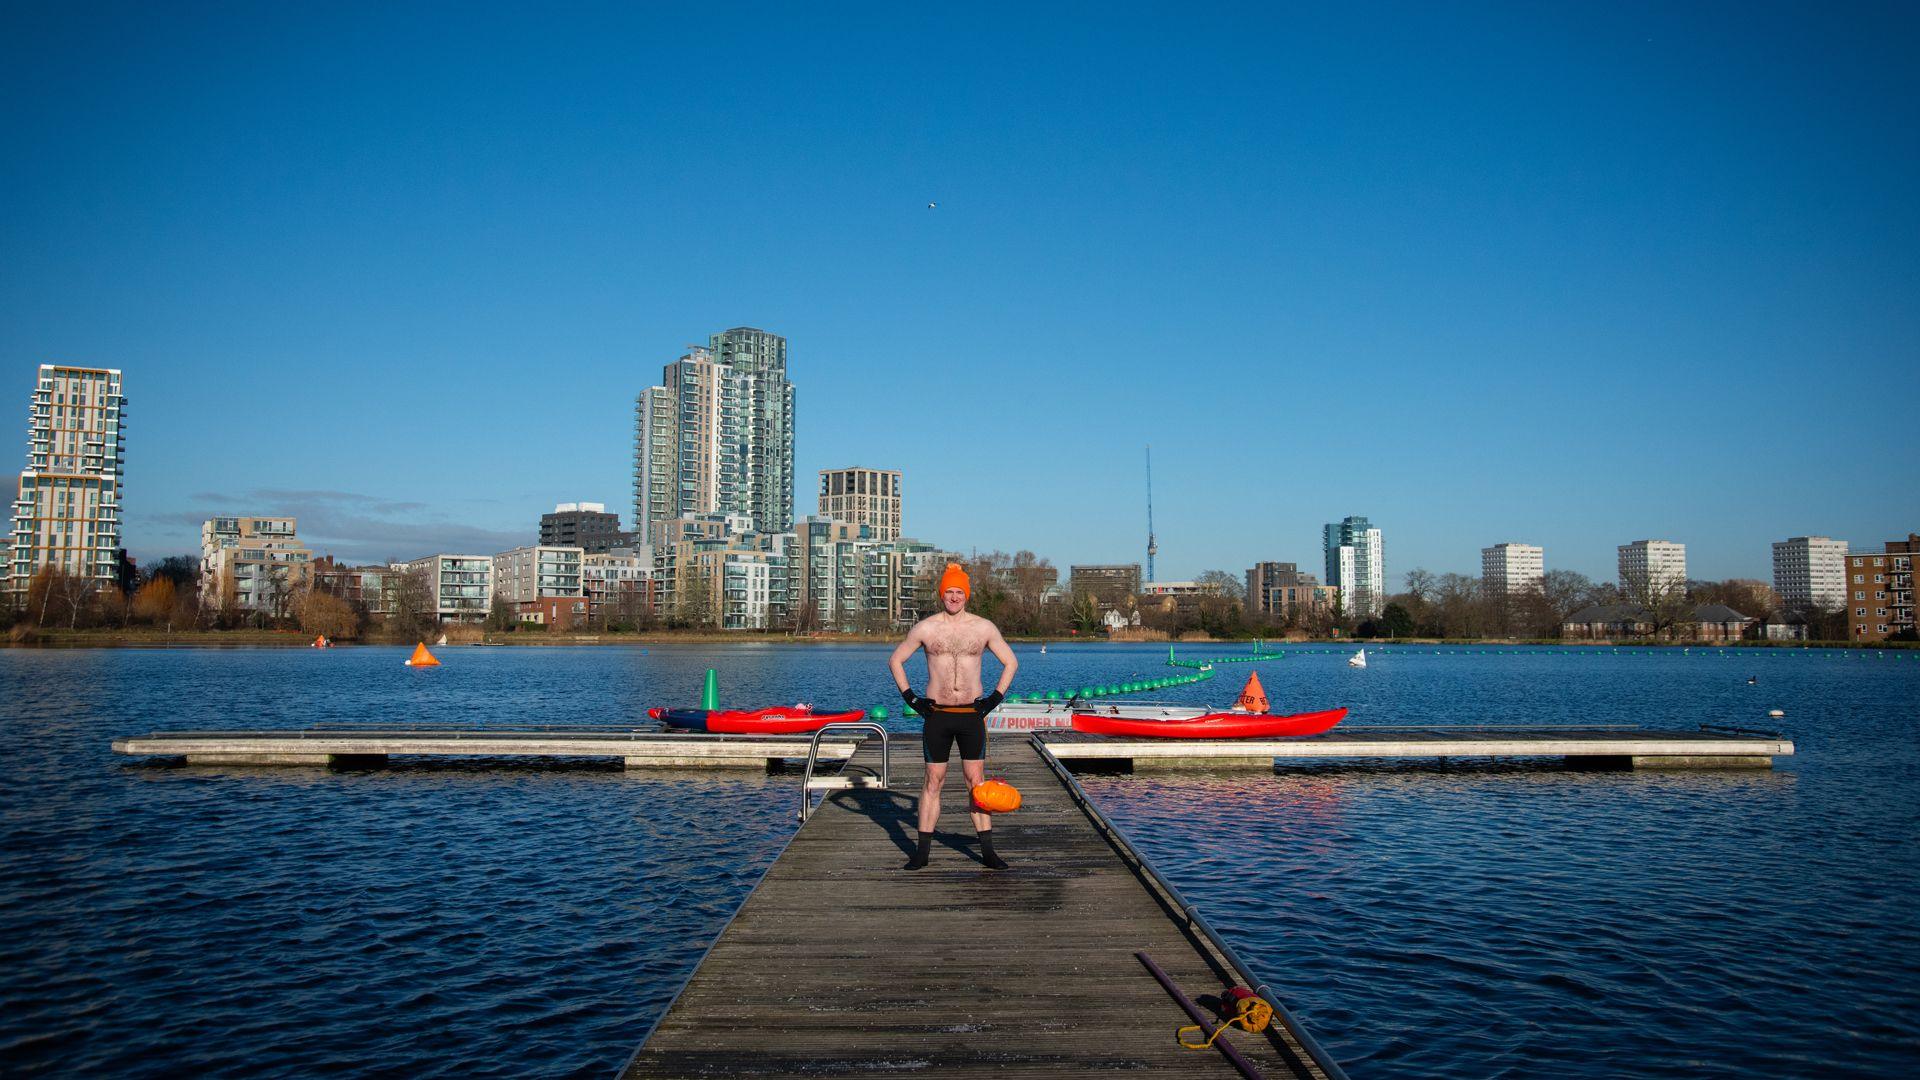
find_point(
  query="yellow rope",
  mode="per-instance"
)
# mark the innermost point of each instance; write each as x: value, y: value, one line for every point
x: 1253, y: 1015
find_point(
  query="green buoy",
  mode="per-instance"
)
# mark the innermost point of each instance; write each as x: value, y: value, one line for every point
x: 710, y: 693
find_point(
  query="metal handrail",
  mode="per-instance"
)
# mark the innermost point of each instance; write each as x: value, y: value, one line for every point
x: 1194, y: 919
x: 813, y: 756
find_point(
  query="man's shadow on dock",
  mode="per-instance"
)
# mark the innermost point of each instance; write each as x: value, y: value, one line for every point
x: 898, y: 812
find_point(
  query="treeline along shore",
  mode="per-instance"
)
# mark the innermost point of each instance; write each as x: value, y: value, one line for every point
x: 146, y: 637
x: 167, y: 604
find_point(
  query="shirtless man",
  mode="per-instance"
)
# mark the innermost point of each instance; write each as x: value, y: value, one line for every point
x: 953, y: 709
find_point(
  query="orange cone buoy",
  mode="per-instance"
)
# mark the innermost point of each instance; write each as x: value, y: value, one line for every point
x: 421, y: 657
x: 1253, y: 697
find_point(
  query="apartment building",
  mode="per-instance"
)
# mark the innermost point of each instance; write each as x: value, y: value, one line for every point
x: 1356, y: 565
x: 1810, y: 572
x: 1112, y: 585
x: 717, y: 435
x: 370, y: 589
x: 254, y: 563
x: 66, y: 509
x: 868, y: 497
x: 585, y: 525
x: 1510, y: 569
x: 618, y: 586
x: 1880, y: 591
x: 1278, y: 590
x: 526, y: 574
x: 656, y: 462
x: 826, y: 571
x: 461, y: 585
x: 1659, y: 564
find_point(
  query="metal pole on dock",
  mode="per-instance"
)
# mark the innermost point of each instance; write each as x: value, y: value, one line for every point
x: 1193, y: 1013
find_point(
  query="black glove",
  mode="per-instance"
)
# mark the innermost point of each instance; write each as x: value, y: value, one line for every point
x: 915, y: 702
x: 989, y: 703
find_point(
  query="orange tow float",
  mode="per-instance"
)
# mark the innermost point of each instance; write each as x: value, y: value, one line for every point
x: 996, y: 797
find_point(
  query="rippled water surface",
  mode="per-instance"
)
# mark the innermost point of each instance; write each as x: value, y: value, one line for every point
x: 524, y: 919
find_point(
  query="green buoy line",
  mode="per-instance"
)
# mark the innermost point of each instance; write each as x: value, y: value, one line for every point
x: 1204, y: 669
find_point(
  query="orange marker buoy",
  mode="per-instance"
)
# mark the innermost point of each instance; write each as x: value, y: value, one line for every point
x: 421, y: 657
x: 1253, y: 697
x: 996, y: 797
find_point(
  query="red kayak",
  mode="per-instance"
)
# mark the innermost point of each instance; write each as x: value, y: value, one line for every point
x: 1220, y: 725
x: 773, y: 720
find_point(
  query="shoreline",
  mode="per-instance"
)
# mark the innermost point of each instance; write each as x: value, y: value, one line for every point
x: 290, y: 639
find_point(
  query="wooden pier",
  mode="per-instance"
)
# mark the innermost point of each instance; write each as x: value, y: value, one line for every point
x: 1581, y: 747
x: 357, y: 748
x: 841, y: 963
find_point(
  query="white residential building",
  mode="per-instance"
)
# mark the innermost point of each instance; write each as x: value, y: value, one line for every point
x: 1510, y: 569
x: 1810, y: 571
x: 66, y: 512
x: 462, y: 584
x: 1357, y: 566
x: 260, y: 559
x: 616, y: 583
x: 526, y: 574
x: 1662, y: 564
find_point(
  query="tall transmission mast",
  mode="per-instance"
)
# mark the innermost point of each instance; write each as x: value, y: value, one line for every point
x: 1151, y: 546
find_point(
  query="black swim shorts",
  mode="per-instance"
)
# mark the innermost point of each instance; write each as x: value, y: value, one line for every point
x: 947, y: 723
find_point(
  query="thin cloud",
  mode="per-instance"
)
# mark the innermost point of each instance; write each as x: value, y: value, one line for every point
x: 354, y: 527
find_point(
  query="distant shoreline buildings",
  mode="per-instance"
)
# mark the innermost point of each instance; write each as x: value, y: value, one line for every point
x: 715, y: 542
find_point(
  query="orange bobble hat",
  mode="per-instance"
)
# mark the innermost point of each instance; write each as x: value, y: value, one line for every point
x: 954, y: 578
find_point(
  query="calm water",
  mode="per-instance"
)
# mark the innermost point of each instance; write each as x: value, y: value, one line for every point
x: 517, y: 919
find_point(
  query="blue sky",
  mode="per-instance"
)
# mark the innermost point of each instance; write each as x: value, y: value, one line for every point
x: 1565, y: 275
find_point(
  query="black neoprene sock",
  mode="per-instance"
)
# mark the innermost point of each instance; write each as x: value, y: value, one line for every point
x: 993, y: 861
x: 920, y: 857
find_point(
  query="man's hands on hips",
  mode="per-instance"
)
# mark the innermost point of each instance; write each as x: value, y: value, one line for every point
x: 925, y: 706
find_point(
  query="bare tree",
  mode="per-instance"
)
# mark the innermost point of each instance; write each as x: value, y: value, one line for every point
x: 1460, y: 605
x: 1421, y: 585
x: 1744, y: 595
x: 416, y: 603
x: 76, y: 596
x: 1665, y: 602
x: 279, y: 589
x: 1221, y: 583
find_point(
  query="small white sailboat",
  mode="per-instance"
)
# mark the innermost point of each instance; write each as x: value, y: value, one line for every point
x: 442, y: 641
x: 1358, y: 659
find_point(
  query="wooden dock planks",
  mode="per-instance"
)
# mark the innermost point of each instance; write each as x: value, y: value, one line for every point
x: 841, y: 963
